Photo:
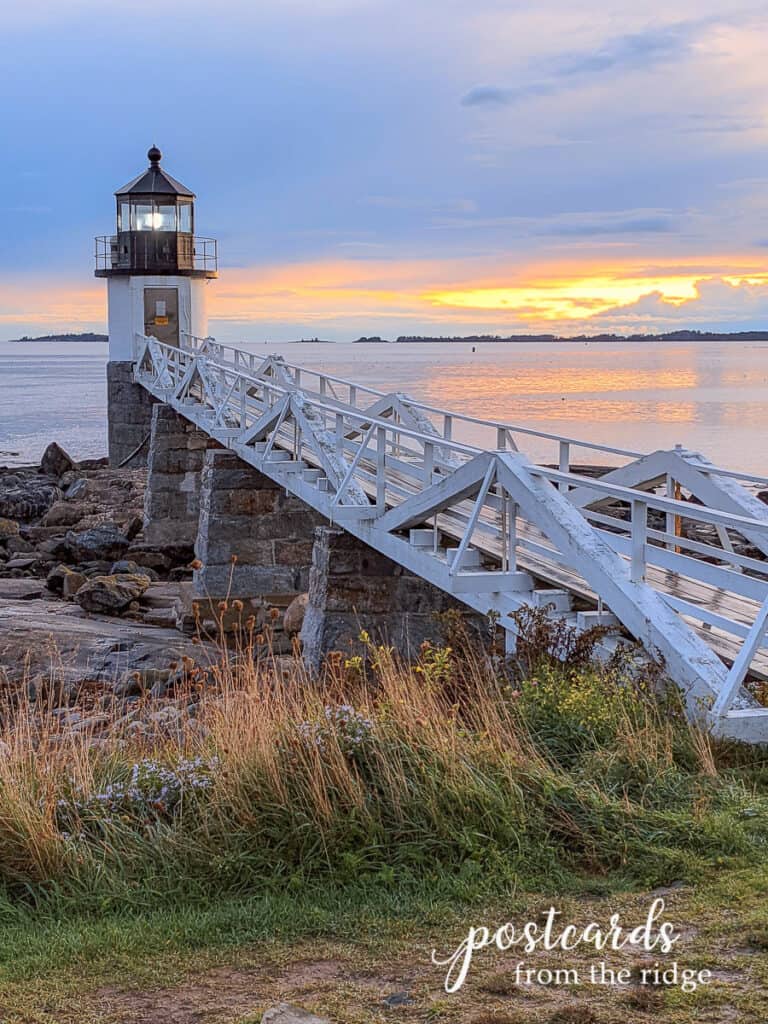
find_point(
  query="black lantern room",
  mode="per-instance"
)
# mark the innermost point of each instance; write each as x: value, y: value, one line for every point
x: 155, y: 229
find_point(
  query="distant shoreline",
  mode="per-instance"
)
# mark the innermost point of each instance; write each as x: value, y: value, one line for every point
x: 59, y: 339
x: 515, y: 339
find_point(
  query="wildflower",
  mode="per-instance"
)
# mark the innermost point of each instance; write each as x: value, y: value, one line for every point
x: 233, y: 559
x: 196, y: 564
x: 237, y: 604
x: 274, y: 613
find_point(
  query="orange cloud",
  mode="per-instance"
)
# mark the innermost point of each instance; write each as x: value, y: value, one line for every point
x: 427, y: 291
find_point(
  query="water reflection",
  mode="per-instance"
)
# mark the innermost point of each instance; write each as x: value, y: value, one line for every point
x: 710, y: 397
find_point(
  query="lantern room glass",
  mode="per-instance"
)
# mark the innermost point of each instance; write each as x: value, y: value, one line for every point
x: 148, y: 214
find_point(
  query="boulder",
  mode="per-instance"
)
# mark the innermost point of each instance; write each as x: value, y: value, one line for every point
x: 134, y: 526
x: 125, y: 565
x: 72, y: 583
x: 77, y: 490
x: 150, y: 558
x: 21, y: 562
x: 105, y: 541
x: 293, y: 619
x: 111, y: 595
x: 287, y: 1013
x: 67, y: 513
x: 21, y: 590
x: 55, y: 579
x: 8, y: 528
x: 26, y: 498
x: 18, y: 546
x: 55, y: 461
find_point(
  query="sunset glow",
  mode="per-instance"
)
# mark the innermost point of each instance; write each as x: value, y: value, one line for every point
x: 571, y: 300
x: 402, y: 295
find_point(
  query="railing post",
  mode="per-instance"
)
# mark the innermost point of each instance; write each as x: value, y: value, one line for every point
x: 429, y: 463
x: 564, y: 463
x: 339, y: 433
x: 353, y: 396
x: 639, y: 540
x: 381, y: 466
x: 501, y: 439
x: 447, y: 427
x: 511, y: 535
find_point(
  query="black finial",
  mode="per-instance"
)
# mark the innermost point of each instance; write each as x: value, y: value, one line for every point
x: 155, y: 156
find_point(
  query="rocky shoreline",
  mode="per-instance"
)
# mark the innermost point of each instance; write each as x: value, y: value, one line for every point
x: 89, y: 613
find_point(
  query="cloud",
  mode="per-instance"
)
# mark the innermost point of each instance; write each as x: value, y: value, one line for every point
x: 628, y: 52
x: 632, y: 226
x: 640, y: 49
x: 494, y: 96
x: 591, y: 224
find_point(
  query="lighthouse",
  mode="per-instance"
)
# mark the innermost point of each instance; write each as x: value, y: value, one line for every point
x: 157, y: 272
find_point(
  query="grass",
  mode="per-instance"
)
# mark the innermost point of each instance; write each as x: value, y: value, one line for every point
x: 361, y: 813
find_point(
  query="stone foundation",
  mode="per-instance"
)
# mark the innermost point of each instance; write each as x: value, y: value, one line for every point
x: 172, y: 499
x: 254, y: 540
x: 354, y: 588
x: 129, y: 415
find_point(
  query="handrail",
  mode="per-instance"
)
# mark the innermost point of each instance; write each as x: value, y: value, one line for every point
x: 683, y: 509
x: 512, y: 428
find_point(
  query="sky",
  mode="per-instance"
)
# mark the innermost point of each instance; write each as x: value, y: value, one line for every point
x: 389, y: 167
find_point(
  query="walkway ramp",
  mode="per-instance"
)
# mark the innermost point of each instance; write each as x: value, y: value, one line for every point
x: 498, y: 530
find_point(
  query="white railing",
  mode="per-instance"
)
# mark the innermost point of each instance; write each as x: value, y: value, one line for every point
x: 383, y: 475
x: 502, y: 436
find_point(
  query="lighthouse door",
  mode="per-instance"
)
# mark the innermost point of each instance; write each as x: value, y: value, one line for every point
x: 161, y: 314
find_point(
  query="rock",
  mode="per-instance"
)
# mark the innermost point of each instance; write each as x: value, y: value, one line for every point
x: 77, y: 490
x: 8, y: 528
x: 72, y: 583
x: 21, y: 589
x: 398, y: 999
x: 67, y: 513
x: 18, y: 546
x: 57, y: 548
x: 55, y: 578
x: 111, y: 595
x: 125, y: 565
x: 294, y: 615
x: 134, y: 527
x: 21, y: 562
x: 165, y: 716
x: 180, y: 574
x: 134, y: 683
x: 26, y: 498
x: 167, y: 617
x: 93, y: 724
x: 105, y: 541
x: 55, y: 461
x: 151, y: 558
x: 287, y: 1013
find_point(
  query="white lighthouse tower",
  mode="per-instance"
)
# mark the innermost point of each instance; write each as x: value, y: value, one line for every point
x: 157, y: 271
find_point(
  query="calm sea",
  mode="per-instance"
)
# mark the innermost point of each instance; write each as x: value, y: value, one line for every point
x: 712, y: 397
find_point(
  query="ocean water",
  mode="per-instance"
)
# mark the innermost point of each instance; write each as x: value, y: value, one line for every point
x: 712, y: 397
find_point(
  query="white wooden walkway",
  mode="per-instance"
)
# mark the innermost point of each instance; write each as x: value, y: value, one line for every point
x: 498, y: 530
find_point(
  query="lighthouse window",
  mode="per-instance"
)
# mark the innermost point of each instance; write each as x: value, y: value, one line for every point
x: 164, y: 218
x: 124, y: 216
x: 142, y: 217
x: 185, y: 217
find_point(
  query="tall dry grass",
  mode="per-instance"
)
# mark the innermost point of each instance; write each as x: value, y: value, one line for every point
x: 535, y: 772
